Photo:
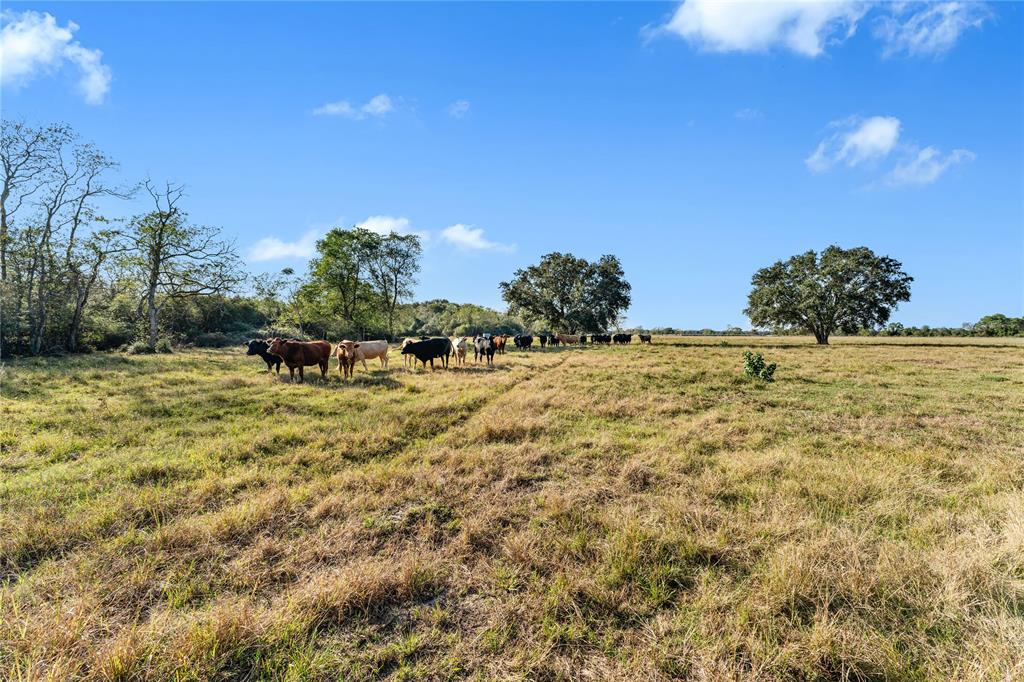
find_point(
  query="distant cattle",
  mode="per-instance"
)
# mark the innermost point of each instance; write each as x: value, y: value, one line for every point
x: 299, y: 354
x: 568, y: 338
x: 429, y: 349
x: 499, y: 343
x: 552, y: 340
x: 583, y: 339
x: 459, y: 349
x: 543, y: 340
x: 483, y: 347
x: 645, y: 338
x: 600, y: 338
x: 622, y: 338
x: 259, y: 347
x: 523, y: 341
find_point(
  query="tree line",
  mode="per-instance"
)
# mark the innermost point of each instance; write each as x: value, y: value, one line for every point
x: 73, y: 278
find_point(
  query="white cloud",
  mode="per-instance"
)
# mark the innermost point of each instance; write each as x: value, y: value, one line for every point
x: 856, y: 141
x: 926, y: 166
x: 469, y: 238
x: 272, y: 248
x: 378, y: 107
x: 33, y: 44
x: 932, y: 29
x: 385, y: 224
x: 803, y: 26
x: 458, y: 108
x: 747, y: 114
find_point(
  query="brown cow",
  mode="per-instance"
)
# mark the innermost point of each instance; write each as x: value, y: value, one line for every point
x: 301, y: 354
x: 499, y: 344
x: 566, y: 339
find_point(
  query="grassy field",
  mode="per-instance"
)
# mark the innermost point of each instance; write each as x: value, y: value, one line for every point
x: 617, y: 513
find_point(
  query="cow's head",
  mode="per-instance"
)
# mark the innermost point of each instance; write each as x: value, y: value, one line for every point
x: 277, y: 346
x: 256, y: 346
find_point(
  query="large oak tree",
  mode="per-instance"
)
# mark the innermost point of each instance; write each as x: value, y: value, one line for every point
x: 840, y: 289
x: 570, y: 294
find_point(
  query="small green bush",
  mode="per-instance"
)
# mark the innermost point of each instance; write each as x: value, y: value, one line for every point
x: 754, y: 366
x: 139, y: 348
x: 212, y: 340
x: 163, y: 346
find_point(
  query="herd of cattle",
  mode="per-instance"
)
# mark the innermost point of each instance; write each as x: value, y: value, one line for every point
x: 299, y: 354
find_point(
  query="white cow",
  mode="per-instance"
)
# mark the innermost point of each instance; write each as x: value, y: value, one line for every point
x: 459, y: 349
x: 357, y: 351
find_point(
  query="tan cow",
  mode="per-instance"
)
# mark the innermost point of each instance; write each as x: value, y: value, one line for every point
x: 344, y: 361
x: 459, y: 346
x: 361, y: 351
x: 566, y: 339
x: 407, y: 359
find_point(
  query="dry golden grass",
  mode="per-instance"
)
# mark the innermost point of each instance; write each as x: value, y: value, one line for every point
x: 602, y: 513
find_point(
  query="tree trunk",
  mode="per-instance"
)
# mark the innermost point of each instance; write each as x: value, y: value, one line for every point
x: 821, y: 337
x: 151, y: 310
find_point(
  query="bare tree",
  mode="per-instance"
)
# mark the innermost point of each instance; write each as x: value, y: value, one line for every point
x: 26, y: 157
x: 46, y: 210
x: 175, y: 259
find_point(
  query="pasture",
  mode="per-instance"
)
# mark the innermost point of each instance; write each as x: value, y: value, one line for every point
x: 635, y: 513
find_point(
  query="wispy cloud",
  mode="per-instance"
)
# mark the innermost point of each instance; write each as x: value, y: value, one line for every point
x: 34, y: 44
x: 469, y: 238
x: 386, y: 224
x: 458, y: 108
x: 858, y: 141
x: 747, y: 114
x: 274, y: 248
x: 928, y: 29
x: 926, y: 166
x: 376, y: 107
x: 855, y: 141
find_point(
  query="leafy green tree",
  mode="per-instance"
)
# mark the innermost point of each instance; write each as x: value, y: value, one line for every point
x: 844, y: 289
x: 361, y: 276
x: 568, y: 293
x: 338, y: 275
x: 999, y: 325
x: 393, y: 264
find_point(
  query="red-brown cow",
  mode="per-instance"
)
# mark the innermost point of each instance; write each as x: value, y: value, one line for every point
x: 499, y: 344
x: 301, y: 354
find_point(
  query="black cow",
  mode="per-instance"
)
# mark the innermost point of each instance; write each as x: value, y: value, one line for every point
x: 483, y: 348
x: 645, y: 338
x: 623, y: 338
x: 543, y: 340
x: 429, y: 349
x: 259, y: 347
x: 583, y: 339
x: 523, y: 341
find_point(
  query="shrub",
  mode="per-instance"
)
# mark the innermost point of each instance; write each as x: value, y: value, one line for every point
x: 212, y: 340
x: 139, y: 348
x: 754, y: 366
x: 163, y: 346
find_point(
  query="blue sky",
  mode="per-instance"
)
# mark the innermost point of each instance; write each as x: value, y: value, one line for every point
x: 696, y: 142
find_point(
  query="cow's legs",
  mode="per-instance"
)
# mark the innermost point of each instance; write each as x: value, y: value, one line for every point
x: 323, y: 369
x: 302, y: 375
x: 291, y: 372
